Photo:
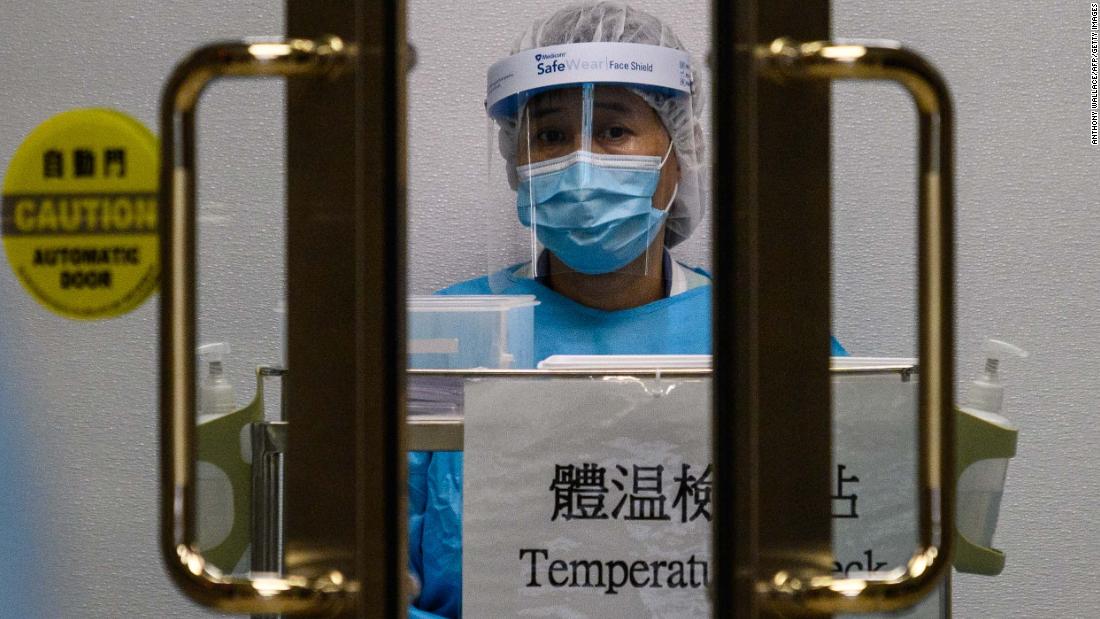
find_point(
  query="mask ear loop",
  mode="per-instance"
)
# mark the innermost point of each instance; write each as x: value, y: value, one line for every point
x: 675, y: 190
x: 668, y: 153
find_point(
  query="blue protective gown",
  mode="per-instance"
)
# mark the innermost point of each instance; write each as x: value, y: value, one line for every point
x: 678, y: 324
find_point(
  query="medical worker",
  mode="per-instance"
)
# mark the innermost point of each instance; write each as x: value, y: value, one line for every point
x: 596, y: 113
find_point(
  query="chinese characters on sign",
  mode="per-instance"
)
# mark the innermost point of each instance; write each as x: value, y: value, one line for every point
x: 844, y: 507
x: 585, y: 491
x: 84, y: 163
x: 846, y: 502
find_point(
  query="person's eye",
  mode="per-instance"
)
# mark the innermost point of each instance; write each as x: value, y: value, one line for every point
x: 550, y: 136
x: 615, y: 133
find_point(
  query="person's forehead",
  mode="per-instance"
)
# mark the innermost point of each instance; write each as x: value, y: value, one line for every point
x: 613, y: 97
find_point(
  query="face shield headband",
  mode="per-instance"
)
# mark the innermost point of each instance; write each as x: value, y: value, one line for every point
x: 521, y: 75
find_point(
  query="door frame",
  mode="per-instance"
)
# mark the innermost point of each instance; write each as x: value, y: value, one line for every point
x: 771, y: 257
x: 346, y: 307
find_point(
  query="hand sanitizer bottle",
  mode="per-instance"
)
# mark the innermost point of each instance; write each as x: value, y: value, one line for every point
x: 213, y: 488
x: 216, y: 395
x: 982, y: 483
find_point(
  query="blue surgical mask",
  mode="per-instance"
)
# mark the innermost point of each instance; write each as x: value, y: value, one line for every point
x: 594, y: 212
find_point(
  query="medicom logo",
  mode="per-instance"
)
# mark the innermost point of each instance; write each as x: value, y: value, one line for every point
x: 550, y: 63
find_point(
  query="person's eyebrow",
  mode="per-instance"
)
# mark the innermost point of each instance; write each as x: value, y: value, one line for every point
x: 616, y: 106
x: 539, y: 111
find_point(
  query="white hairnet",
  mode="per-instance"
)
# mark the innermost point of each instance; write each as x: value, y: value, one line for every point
x: 597, y: 22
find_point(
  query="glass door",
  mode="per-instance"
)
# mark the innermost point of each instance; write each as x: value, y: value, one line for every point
x: 559, y: 203
x: 272, y: 203
x: 1027, y: 165
x: 498, y: 534
x: 78, y: 396
x: 324, y: 495
x: 585, y: 250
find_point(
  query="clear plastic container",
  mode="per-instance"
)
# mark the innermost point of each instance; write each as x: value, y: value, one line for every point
x: 474, y: 331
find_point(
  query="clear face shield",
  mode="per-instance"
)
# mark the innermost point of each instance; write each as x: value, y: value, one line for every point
x: 592, y: 165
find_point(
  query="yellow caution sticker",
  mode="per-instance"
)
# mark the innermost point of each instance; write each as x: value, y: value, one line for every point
x: 80, y: 214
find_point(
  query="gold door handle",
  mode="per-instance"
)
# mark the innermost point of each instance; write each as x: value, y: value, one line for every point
x: 885, y: 60
x: 191, y: 572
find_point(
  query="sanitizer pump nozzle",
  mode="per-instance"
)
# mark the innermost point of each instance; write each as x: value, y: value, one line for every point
x: 216, y: 396
x: 986, y: 393
x: 981, y: 485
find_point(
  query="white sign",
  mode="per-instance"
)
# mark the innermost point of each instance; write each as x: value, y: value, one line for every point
x: 590, y: 497
x: 874, y: 493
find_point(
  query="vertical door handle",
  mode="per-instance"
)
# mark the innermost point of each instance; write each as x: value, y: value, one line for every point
x: 177, y: 210
x: 785, y: 59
